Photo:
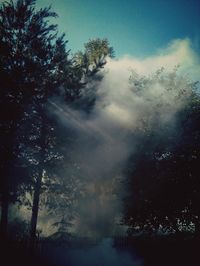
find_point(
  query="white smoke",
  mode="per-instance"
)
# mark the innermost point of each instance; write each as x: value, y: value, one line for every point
x: 177, y: 52
x: 123, y: 105
x: 105, y: 140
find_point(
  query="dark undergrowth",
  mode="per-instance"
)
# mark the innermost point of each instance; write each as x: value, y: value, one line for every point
x: 173, y: 250
x: 166, y: 250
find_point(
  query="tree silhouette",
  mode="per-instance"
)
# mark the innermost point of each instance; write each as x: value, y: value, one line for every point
x: 34, y: 65
x: 163, y: 181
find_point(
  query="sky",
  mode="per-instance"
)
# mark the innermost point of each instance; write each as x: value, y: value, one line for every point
x: 133, y: 27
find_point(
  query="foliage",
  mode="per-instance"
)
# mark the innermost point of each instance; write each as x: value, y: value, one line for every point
x: 163, y: 180
x: 94, y: 56
x: 35, y: 66
x: 88, y: 65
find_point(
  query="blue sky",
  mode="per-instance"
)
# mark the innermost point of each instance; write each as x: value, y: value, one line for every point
x: 134, y: 27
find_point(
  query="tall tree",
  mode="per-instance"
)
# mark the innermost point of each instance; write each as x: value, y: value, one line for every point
x: 33, y: 66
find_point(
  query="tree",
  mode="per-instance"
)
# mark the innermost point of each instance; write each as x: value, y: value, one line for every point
x: 94, y: 56
x: 16, y: 90
x: 162, y: 173
x: 33, y: 66
x: 88, y: 65
x: 71, y: 81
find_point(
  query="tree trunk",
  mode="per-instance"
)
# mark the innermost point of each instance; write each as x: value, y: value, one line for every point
x: 6, y: 183
x: 37, y: 188
x: 4, y: 215
x: 35, y: 208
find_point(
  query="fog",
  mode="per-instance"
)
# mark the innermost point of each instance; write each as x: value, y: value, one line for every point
x: 122, y: 107
x: 130, y: 100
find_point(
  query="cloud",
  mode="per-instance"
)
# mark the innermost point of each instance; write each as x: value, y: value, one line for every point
x: 177, y: 52
x: 120, y: 103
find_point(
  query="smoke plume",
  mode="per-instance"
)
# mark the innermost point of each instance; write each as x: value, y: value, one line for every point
x: 104, y: 143
x: 104, y: 139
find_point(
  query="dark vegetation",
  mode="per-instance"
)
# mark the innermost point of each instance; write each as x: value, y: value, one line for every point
x: 163, y: 177
x: 35, y: 66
